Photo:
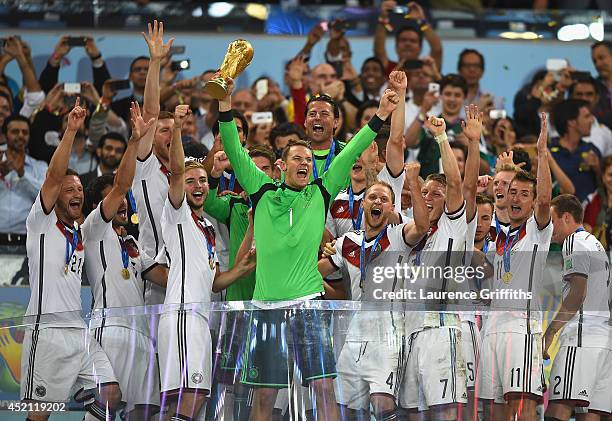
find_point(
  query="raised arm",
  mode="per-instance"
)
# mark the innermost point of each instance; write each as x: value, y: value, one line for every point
x: 395, y: 146
x: 249, y: 176
x: 50, y: 189
x: 127, y: 167
x: 335, y: 178
x: 380, y: 33
x: 544, y: 185
x: 454, y: 194
x: 472, y: 129
x: 157, y: 51
x: 240, y: 269
x: 414, y: 232
x: 18, y: 49
x: 177, y: 158
x: 435, y: 44
x: 217, y: 206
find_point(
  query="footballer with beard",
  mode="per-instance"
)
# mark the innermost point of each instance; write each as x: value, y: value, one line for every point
x: 184, y: 342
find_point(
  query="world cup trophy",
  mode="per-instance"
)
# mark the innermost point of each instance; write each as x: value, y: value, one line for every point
x: 238, y: 57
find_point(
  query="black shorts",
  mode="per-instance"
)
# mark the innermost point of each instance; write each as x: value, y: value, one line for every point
x: 289, y: 342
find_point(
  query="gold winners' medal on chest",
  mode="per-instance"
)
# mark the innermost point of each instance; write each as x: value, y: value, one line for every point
x: 66, y: 269
x: 507, y: 277
x: 211, y: 262
x: 125, y: 273
x: 134, y: 218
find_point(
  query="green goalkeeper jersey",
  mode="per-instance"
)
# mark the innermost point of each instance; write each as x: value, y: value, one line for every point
x: 289, y: 223
x: 232, y: 210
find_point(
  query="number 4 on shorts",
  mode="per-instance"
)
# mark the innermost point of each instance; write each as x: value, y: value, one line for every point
x: 390, y: 380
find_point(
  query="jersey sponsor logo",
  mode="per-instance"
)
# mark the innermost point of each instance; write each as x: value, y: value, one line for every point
x: 40, y: 391
x: 583, y: 393
x: 568, y: 264
x: 197, y: 377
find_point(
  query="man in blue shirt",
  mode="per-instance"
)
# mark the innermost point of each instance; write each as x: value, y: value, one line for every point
x: 578, y: 159
x: 21, y: 177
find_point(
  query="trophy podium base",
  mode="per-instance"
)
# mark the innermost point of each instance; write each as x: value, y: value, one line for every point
x: 217, y: 88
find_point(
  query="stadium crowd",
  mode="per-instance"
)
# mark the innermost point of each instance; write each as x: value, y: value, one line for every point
x: 168, y: 196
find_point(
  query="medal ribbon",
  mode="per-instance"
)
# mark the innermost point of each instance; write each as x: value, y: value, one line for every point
x: 232, y: 182
x: 209, y: 246
x: 165, y: 170
x: 508, y: 250
x: 125, y: 257
x: 75, y: 239
x: 580, y: 229
x: 330, y: 155
x: 357, y: 223
x: 132, y: 200
x: 419, y: 247
x: 365, y: 260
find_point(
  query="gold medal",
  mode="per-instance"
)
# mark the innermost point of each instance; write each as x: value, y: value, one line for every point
x: 507, y: 277
x: 66, y: 269
x: 211, y: 262
x: 134, y: 219
x: 125, y: 273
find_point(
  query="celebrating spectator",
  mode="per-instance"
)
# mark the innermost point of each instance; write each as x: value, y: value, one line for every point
x: 578, y: 159
x: 21, y: 177
x: 598, y: 209
x: 109, y: 153
x: 601, y: 54
x: 471, y: 66
x: 138, y: 77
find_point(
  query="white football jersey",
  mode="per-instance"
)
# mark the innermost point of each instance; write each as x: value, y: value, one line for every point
x: 55, y: 299
x: 188, y: 240
x: 583, y: 255
x: 529, y: 250
x: 339, y: 219
x: 348, y: 259
x: 443, y: 247
x: 104, y: 263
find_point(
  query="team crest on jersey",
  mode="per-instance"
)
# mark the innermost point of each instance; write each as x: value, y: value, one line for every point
x: 568, y: 264
x: 197, y: 377
x: 253, y: 373
x: 40, y: 391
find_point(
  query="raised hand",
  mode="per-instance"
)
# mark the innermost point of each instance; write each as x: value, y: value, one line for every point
x: 329, y: 249
x: 413, y: 170
x: 91, y: 48
x: 388, y: 103
x: 180, y: 112
x: 543, y: 138
x: 139, y: 126
x: 315, y: 35
x: 248, y: 263
x: 398, y: 81
x: 386, y: 6
x: 76, y: 118
x: 472, y: 127
x: 61, y: 49
x: 220, y: 164
x: 335, y: 90
x: 14, y: 48
x: 155, y: 40
x: 416, y: 11
x: 229, y: 89
x: 296, y: 70
x: 483, y: 183
x: 436, y: 126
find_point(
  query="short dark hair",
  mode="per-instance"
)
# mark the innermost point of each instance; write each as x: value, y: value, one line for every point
x: 136, y: 59
x: 292, y: 144
x: 165, y: 115
x: 382, y: 183
x: 568, y: 203
x: 237, y: 114
x: 607, y: 162
x: 461, y: 147
x: 363, y: 107
x: 440, y: 178
x: 7, y: 97
x: 286, y: 129
x: 521, y: 156
x: 483, y: 199
x: 12, y: 118
x: 195, y: 150
x: 605, y: 43
x: 112, y: 136
x: 409, y: 28
x: 455, y: 80
x: 264, y: 152
x: 467, y: 51
x: 565, y: 111
x: 589, y: 80
x: 93, y: 193
x: 524, y: 176
x: 324, y: 98
x: 70, y: 171
x: 374, y: 60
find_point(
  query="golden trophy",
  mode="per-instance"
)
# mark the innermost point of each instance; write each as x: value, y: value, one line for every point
x: 238, y: 57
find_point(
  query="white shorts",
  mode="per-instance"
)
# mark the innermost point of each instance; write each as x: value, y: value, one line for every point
x: 185, y: 352
x: 56, y: 363
x: 435, y: 372
x: 132, y: 356
x: 367, y: 368
x: 583, y: 376
x: 297, y: 395
x: 510, y: 363
x: 470, y: 338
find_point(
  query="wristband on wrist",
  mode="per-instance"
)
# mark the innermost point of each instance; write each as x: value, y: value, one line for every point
x: 96, y: 57
x: 441, y: 138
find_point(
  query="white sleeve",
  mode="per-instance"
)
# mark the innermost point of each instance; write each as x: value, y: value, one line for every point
x: 396, y: 238
x: 95, y: 226
x: 170, y: 215
x: 330, y: 224
x: 576, y: 259
x: 38, y: 221
x: 337, y: 258
x: 542, y: 236
x: 145, y: 168
x: 146, y: 261
x: 396, y: 183
x: 31, y: 101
